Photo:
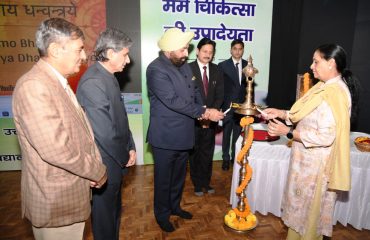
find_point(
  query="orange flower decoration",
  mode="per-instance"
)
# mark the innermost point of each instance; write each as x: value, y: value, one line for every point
x: 248, y: 176
x: 236, y: 219
x: 306, y: 82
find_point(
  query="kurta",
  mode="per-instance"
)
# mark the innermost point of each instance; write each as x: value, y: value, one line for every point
x: 308, y: 161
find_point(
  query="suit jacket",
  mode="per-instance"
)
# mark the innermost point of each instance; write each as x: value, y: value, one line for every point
x: 215, y: 96
x: 233, y: 91
x: 59, y: 156
x: 174, y: 104
x: 99, y: 94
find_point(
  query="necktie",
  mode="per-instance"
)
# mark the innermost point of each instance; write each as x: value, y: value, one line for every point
x: 237, y: 71
x: 205, y: 80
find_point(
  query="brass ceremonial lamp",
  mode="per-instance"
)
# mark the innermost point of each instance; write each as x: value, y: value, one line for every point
x: 248, y: 108
x: 241, y: 219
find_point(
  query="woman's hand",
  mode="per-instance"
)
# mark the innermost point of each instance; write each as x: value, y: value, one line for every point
x: 272, y: 113
x: 277, y: 128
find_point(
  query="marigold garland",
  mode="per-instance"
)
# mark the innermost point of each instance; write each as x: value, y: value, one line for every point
x: 247, y: 145
x: 248, y: 176
x: 246, y: 211
x: 245, y: 121
x: 236, y: 219
x: 306, y: 82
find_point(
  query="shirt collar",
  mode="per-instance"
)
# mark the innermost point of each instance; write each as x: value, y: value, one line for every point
x: 59, y: 76
x: 236, y: 61
x: 201, y: 65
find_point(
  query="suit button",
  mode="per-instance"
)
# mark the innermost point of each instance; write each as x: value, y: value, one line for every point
x: 191, y: 96
x: 188, y: 86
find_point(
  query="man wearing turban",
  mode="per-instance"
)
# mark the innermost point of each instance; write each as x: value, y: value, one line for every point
x: 175, y: 103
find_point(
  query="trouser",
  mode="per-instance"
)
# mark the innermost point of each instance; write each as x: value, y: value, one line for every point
x: 201, y: 158
x: 169, y: 179
x: 106, y: 212
x: 71, y: 232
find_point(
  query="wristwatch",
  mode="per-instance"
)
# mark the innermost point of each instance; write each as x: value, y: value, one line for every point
x: 289, y: 135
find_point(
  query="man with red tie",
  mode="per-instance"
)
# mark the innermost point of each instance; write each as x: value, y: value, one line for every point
x: 209, y: 80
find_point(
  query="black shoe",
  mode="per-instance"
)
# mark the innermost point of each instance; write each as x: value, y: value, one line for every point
x: 225, y: 165
x: 166, y: 226
x: 183, y: 214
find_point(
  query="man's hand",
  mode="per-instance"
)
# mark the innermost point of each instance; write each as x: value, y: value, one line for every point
x: 205, y: 123
x: 132, y: 159
x: 100, y: 183
x: 213, y: 115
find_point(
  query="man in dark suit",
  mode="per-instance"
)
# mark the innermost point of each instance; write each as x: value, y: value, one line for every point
x: 209, y: 80
x: 174, y: 104
x: 234, y: 92
x: 99, y: 94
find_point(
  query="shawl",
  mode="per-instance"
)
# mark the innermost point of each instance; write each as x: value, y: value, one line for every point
x: 338, y: 167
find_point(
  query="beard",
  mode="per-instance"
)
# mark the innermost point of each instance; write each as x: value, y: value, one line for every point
x: 178, y: 62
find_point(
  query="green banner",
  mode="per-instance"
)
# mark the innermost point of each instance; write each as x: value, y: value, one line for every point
x: 10, y: 152
x: 220, y: 20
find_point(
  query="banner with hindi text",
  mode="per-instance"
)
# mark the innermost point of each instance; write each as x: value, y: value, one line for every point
x: 219, y: 20
x: 19, y: 20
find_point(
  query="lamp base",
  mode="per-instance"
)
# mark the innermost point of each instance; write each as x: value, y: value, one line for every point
x: 240, y: 224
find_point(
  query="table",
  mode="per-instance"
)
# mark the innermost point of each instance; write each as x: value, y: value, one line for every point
x: 270, y: 162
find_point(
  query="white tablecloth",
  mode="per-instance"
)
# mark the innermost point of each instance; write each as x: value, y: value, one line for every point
x: 270, y: 162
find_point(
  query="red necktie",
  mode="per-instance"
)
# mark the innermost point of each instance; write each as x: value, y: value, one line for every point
x: 205, y: 80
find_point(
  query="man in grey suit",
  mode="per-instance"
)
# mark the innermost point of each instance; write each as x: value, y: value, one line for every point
x: 99, y: 94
